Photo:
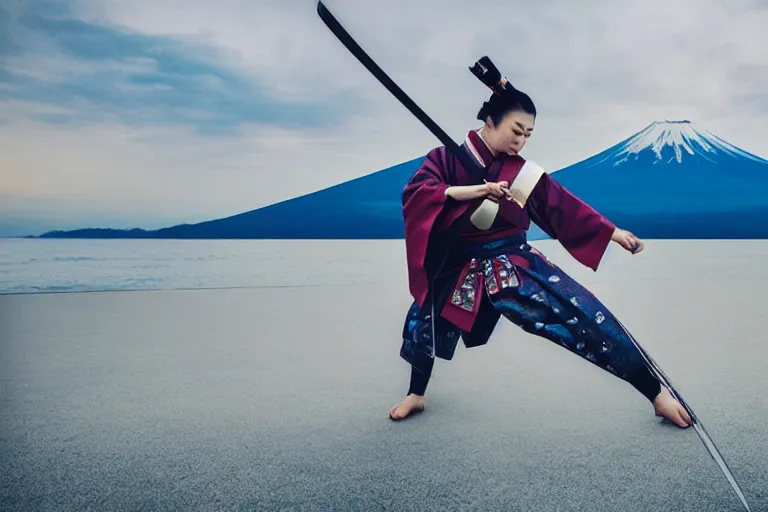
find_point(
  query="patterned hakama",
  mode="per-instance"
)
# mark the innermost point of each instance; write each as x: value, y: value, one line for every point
x: 510, y: 278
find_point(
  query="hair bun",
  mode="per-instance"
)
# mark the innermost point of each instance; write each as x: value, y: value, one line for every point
x: 487, y: 72
x: 483, y: 113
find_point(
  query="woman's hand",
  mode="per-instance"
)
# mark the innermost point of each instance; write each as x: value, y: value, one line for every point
x: 627, y: 240
x: 490, y: 190
x: 497, y: 190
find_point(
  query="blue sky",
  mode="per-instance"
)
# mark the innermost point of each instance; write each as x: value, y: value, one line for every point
x: 148, y: 113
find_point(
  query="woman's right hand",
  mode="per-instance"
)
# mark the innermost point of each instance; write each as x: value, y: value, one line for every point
x: 488, y: 189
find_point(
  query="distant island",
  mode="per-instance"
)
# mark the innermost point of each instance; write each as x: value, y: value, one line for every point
x: 670, y: 180
x: 99, y: 233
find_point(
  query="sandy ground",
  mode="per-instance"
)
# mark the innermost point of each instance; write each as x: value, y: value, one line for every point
x: 277, y: 399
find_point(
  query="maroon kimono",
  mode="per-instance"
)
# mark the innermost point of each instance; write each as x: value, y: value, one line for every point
x: 440, y: 239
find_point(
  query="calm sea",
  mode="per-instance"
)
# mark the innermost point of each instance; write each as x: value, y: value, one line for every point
x: 62, y: 265
x: 55, y: 265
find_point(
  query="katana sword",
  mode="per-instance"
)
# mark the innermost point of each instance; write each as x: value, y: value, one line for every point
x: 351, y: 45
x: 338, y: 30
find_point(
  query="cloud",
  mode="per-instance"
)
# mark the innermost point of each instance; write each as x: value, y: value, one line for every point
x: 106, y: 73
x: 208, y: 109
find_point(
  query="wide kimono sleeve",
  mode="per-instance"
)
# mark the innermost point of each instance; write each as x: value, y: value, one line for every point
x: 427, y: 213
x: 579, y: 228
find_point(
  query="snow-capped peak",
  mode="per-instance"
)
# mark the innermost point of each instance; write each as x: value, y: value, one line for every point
x: 683, y: 137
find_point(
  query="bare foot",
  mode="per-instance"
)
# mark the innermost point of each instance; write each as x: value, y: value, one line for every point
x: 410, y: 404
x: 667, y: 407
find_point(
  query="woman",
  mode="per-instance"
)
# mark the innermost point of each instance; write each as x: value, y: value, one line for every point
x: 469, y: 262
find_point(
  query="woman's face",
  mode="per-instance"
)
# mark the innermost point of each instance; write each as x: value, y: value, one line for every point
x: 511, y: 134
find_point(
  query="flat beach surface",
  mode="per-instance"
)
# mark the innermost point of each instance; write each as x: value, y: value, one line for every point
x: 276, y: 398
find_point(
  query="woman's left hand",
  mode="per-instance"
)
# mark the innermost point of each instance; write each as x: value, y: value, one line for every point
x: 627, y: 240
x: 497, y: 190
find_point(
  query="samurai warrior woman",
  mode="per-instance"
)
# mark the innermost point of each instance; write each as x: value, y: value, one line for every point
x: 469, y: 261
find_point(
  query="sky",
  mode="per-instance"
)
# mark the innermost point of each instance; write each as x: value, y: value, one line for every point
x: 149, y: 113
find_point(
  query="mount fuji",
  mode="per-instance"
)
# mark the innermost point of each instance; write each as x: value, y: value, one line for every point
x: 670, y: 180
x: 675, y: 180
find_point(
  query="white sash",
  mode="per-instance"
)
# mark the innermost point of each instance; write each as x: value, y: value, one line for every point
x: 519, y: 191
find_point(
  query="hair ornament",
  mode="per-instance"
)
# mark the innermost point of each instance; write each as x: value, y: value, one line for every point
x: 487, y: 72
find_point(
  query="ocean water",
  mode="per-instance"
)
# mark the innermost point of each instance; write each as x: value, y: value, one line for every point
x: 65, y: 265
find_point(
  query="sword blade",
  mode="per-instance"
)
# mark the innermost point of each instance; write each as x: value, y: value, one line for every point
x: 697, y: 425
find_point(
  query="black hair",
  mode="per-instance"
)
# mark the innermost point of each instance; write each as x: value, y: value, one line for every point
x: 499, y: 105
